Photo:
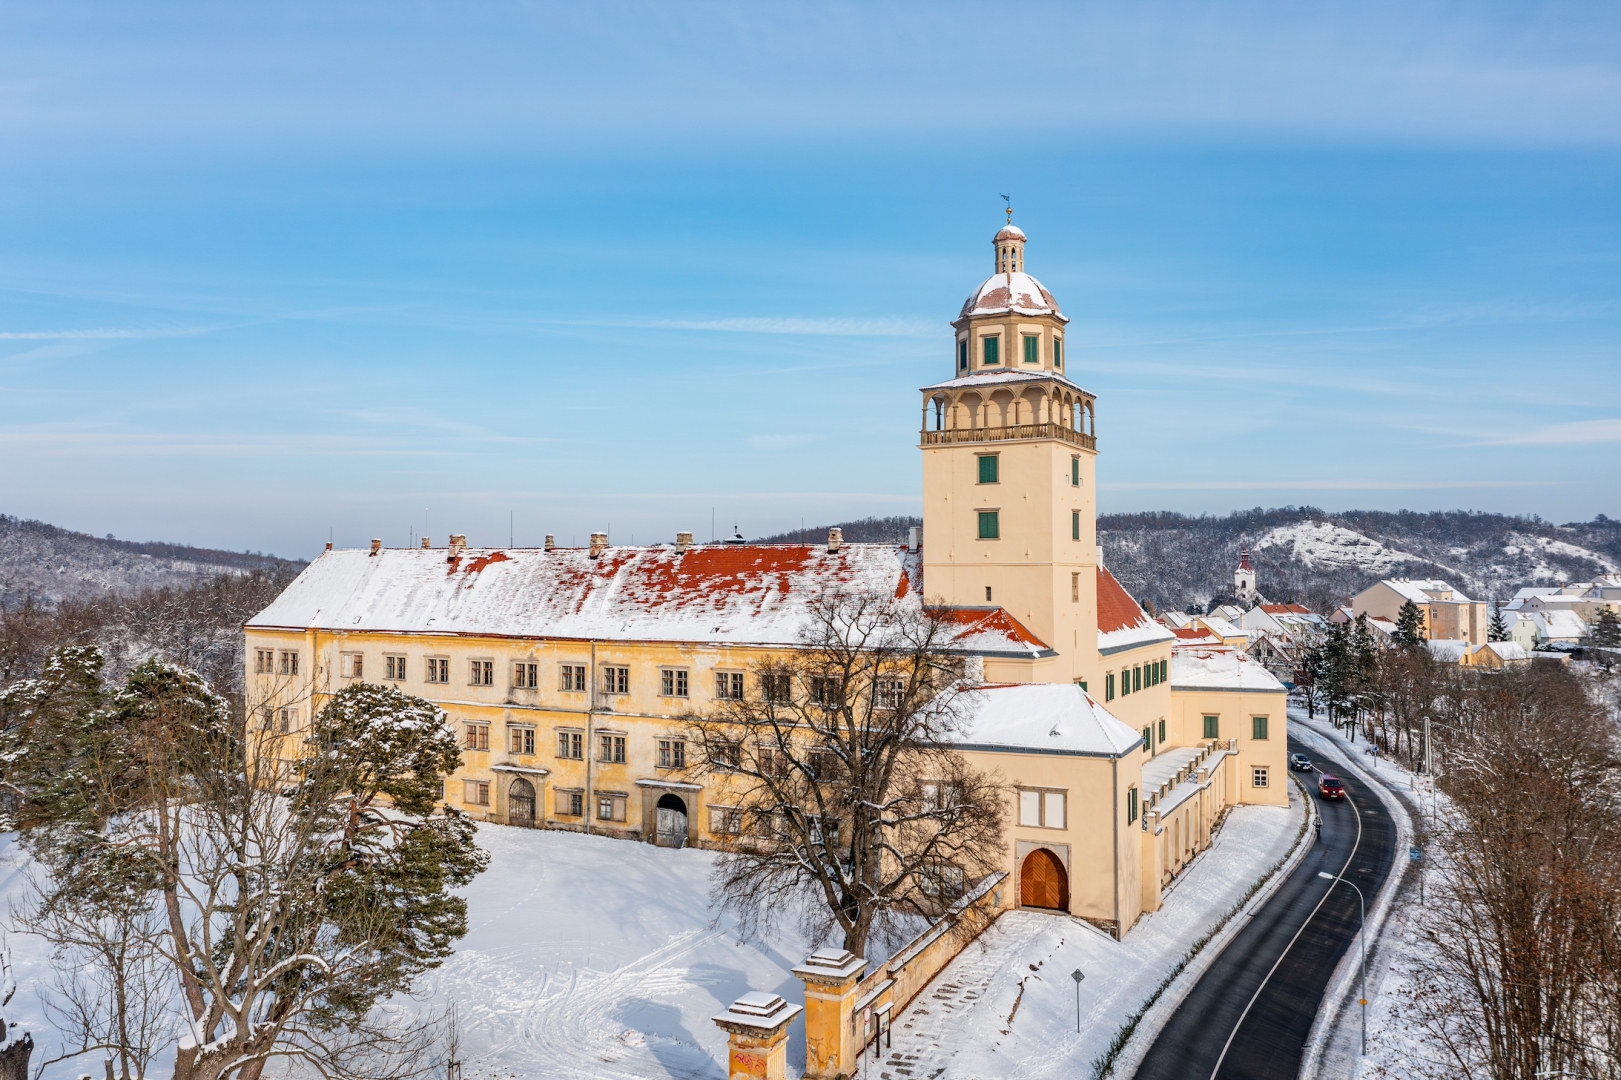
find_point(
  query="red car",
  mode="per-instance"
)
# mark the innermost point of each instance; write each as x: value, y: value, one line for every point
x: 1329, y: 787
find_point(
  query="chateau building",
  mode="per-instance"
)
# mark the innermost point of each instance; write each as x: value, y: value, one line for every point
x: 571, y: 672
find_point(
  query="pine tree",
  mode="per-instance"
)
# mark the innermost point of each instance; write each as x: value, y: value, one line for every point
x: 1499, y: 626
x: 1409, y: 626
x: 1606, y: 632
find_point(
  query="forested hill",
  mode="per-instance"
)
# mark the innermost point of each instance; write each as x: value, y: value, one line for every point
x: 51, y: 564
x: 1301, y: 553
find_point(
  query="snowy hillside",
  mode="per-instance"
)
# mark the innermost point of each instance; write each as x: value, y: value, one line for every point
x: 53, y: 564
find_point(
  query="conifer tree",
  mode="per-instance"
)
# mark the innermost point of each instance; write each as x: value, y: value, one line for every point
x: 1498, y: 631
x: 1410, y: 626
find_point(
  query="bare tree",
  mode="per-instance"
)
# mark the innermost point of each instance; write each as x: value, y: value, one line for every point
x: 850, y: 804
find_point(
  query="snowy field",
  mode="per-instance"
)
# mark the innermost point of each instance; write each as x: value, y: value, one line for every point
x: 1006, y: 1006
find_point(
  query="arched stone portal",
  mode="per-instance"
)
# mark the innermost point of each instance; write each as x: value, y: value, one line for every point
x: 1043, y: 883
x: 672, y: 821
x: 521, y: 803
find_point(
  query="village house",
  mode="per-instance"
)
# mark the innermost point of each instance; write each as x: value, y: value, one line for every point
x: 570, y: 673
x: 1448, y: 614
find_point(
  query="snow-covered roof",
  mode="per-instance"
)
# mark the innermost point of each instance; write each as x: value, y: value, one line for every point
x: 1018, y: 293
x: 1286, y: 609
x: 1175, y: 619
x: 1505, y: 650
x: 1194, y: 633
x: 1559, y: 625
x: 1003, y: 378
x: 1122, y: 623
x: 1010, y: 231
x: 1051, y: 718
x: 1221, y: 627
x: 1448, y: 652
x: 1419, y: 590
x: 1219, y: 667
x: 745, y: 594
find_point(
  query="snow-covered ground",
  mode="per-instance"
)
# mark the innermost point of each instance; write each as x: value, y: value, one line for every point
x: 1006, y: 1007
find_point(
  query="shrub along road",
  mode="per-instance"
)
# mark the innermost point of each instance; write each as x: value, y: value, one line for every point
x: 1248, y: 1017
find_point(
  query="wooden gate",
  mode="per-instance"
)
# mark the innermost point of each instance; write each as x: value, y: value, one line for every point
x: 521, y: 803
x: 1043, y: 882
x: 672, y: 822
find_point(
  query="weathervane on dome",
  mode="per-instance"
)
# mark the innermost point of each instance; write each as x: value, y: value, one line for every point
x: 1009, y: 200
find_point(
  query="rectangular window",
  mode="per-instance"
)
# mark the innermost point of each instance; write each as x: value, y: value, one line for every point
x: 1148, y: 740
x: 437, y: 670
x: 726, y: 755
x: 673, y: 682
x: 571, y: 745
x: 729, y: 685
x: 525, y: 676
x: 475, y: 736
x: 570, y: 803
x: 1162, y: 733
x: 987, y: 468
x: 286, y: 720
x: 1075, y: 588
x: 1042, y: 809
x: 1074, y: 472
x: 394, y: 668
x: 264, y: 662
x: 725, y: 820
x: 1131, y: 805
x: 1258, y: 776
x: 476, y: 792
x: 672, y: 754
x: 350, y: 665
x: 962, y: 355
x: 776, y: 687
x: 992, y: 351
x: 572, y: 677
x: 1125, y: 681
x: 1032, y: 349
x: 1058, y: 353
x: 520, y: 740
x: 987, y: 594
x: 1212, y: 727
x: 616, y: 680
x: 827, y: 691
x: 989, y: 525
x: 611, y: 750
x: 610, y: 808
x: 772, y: 762
x: 941, y: 794
x: 1257, y: 727
x: 481, y: 673
x: 1108, y: 687
x: 889, y: 693
x: 1136, y: 679
x: 1074, y: 524
x: 289, y: 664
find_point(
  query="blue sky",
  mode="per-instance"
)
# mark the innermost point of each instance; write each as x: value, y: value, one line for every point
x: 274, y: 272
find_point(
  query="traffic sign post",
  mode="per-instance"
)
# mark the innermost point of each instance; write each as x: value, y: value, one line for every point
x: 1077, y: 975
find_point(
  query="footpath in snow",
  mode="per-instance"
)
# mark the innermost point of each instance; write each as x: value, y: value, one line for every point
x: 1006, y: 1006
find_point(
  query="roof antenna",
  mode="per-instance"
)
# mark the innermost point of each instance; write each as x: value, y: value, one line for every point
x: 1009, y: 200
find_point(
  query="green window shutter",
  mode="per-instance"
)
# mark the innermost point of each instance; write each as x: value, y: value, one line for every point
x: 1148, y: 740
x: 988, y: 529
x: 1136, y: 679
x: 988, y: 469
x: 1082, y: 682
x: 1131, y: 805
x: 1108, y: 687
x: 1258, y: 727
x: 1075, y: 525
x: 1058, y: 353
x: 1162, y: 731
x: 1074, y: 472
x: 962, y: 356
x: 1125, y: 681
x: 992, y: 351
x: 1212, y: 727
x: 1032, y: 350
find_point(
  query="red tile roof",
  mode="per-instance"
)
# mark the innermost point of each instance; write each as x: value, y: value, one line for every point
x: 1286, y: 609
x: 1116, y: 609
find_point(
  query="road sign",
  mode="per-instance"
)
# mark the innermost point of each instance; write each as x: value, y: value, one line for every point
x: 1077, y: 975
x: 1415, y: 854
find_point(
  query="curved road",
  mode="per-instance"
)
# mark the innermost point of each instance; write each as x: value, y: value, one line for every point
x: 1248, y: 1017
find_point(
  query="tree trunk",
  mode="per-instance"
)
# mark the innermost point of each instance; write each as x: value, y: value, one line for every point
x: 14, y: 1056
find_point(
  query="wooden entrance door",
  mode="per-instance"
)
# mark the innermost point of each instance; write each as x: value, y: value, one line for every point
x: 672, y: 822
x: 1043, y: 882
x: 521, y: 803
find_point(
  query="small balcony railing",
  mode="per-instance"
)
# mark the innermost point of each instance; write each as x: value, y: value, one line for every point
x: 954, y: 436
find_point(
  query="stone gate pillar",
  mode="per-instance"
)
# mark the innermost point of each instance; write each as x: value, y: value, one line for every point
x: 757, y: 1030
x: 830, y: 977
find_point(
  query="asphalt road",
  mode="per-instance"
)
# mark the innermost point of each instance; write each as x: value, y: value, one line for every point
x: 1248, y: 1017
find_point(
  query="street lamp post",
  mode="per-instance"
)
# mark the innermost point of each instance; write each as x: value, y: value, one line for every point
x: 1362, y: 937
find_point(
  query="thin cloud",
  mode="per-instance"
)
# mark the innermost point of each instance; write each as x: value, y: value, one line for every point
x: 1574, y: 433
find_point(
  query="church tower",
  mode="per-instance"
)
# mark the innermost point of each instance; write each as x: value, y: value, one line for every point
x: 1244, y: 577
x: 1009, y: 445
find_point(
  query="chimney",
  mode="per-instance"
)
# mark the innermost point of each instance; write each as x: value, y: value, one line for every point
x: 551, y: 542
x: 599, y: 544
x: 683, y: 541
x: 376, y: 546
x: 835, y: 539
x: 457, y: 542
x: 329, y: 545
x: 914, y: 538
x: 426, y: 543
